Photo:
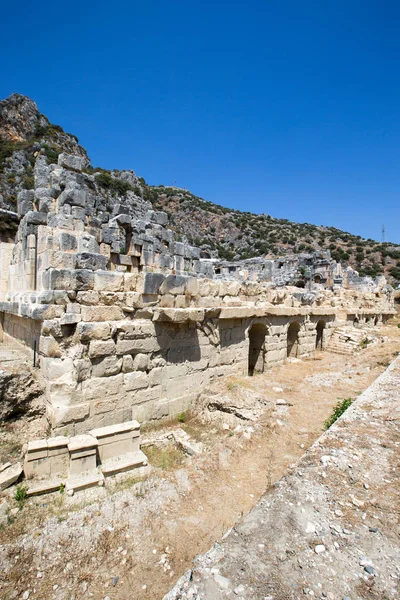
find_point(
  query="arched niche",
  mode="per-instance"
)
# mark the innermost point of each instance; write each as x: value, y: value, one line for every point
x: 257, y: 334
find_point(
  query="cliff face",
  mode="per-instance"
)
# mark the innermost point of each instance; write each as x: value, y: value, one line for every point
x: 25, y: 133
x: 19, y: 118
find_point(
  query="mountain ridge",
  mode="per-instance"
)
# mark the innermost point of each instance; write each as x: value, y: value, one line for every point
x: 229, y: 233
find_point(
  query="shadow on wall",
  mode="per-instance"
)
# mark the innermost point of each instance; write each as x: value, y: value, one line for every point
x: 319, y: 340
x: 257, y: 335
x: 178, y: 343
x: 293, y: 339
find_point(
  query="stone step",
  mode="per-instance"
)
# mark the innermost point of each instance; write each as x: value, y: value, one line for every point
x: 125, y: 462
x: 82, y: 481
x: 44, y: 487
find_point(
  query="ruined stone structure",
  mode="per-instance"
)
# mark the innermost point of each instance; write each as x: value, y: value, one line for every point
x: 127, y: 323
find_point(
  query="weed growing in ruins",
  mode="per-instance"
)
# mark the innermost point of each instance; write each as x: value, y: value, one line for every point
x: 364, y: 343
x: 62, y: 488
x: 182, y: 417
x: 338, y: 410
x: 21, y: 495
x: 164, y: 458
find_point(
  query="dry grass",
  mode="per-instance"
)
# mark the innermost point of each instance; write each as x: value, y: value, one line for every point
x: 166, y: 459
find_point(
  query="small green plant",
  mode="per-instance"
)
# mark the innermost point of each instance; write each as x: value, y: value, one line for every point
x: 21, y: 494
x: 338, y: 410
x: 364, y: 343
x: 62, y: 488
x: 181, y: 417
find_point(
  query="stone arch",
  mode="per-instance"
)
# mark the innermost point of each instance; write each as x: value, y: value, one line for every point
x: 317, y: 278
x: 355, y: 322
x: 293, y: 339
x: 319, y: 338
x: 257, y: 334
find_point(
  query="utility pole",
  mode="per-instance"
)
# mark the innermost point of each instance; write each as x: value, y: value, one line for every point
x: 383, y: 234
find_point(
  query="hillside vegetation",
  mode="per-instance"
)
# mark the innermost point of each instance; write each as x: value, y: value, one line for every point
x: 235, y: 235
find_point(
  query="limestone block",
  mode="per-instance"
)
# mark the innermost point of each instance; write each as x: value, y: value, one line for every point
x: 178, y: 315
x: 98, y: 348
x: 127, y: 363
x: 118, y: 439
x: 111, y: 365
x: 135, y: 380
x: 182, y: 301
x: 102, y: 313
x: 108, y: 281
x: 146, y: 395
x: 52, y: 327
x: 90, y: 298
x: 102, y: 387
x: 83, y: 368
x: 192, y: 286
x: 83, y: 454
x: 127, y: 346
x: 73, y: 197
x: 91, y: 261
x: 25, y: 202
x: 141, y: 362
x: 152, y: 283
x: 88, y: 243
x: 94, y: 331
x: 156, y: 376
x: 54, y: 368
x: 49, y: 347
x: 167, y: 301
x: 70, y: 319
x: 68, y: 242
x: 10, y: 476
x: 63, y: 415
x: 173, y: 284
x: 71, y: 161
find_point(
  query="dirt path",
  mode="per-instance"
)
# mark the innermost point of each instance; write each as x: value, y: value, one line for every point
x: 147, y: 534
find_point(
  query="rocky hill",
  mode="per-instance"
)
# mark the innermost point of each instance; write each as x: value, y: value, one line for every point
x: 231, y: 234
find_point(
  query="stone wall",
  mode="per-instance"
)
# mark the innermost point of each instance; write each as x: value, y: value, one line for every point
x: 131, y: 323
x: 25, y: 331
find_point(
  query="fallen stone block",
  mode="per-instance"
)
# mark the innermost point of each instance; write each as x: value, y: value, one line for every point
x: 10, y: 476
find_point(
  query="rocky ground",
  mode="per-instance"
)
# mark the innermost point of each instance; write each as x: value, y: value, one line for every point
x: 328, y: 530
x: 134, y: 539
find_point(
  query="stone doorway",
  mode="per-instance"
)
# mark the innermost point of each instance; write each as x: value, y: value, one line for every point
x: 319, y: 340
x: 293, y: 339
x: 257, y: 335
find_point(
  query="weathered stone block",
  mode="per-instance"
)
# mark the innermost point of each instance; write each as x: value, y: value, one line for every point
x: 108, y: 281
x: 71, y: 161
x: 111, y: 365
x: 94, y: 331
x: 83, y: 367
x: 135, y: 380
x: 152, y: 283
x: 87, y: 260
x: 101, y: 348
x: 141, y: 362
x: 173, y: 284
x: 53, y: 368
x: 102, y: 313
x: 138, y: 345
x: 49, y: 347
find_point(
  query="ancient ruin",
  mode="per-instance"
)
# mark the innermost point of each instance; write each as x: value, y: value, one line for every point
x: 127, y: 323
x: 116, y: 324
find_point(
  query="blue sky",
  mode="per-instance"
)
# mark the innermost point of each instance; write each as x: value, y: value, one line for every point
x: 278, y: 106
